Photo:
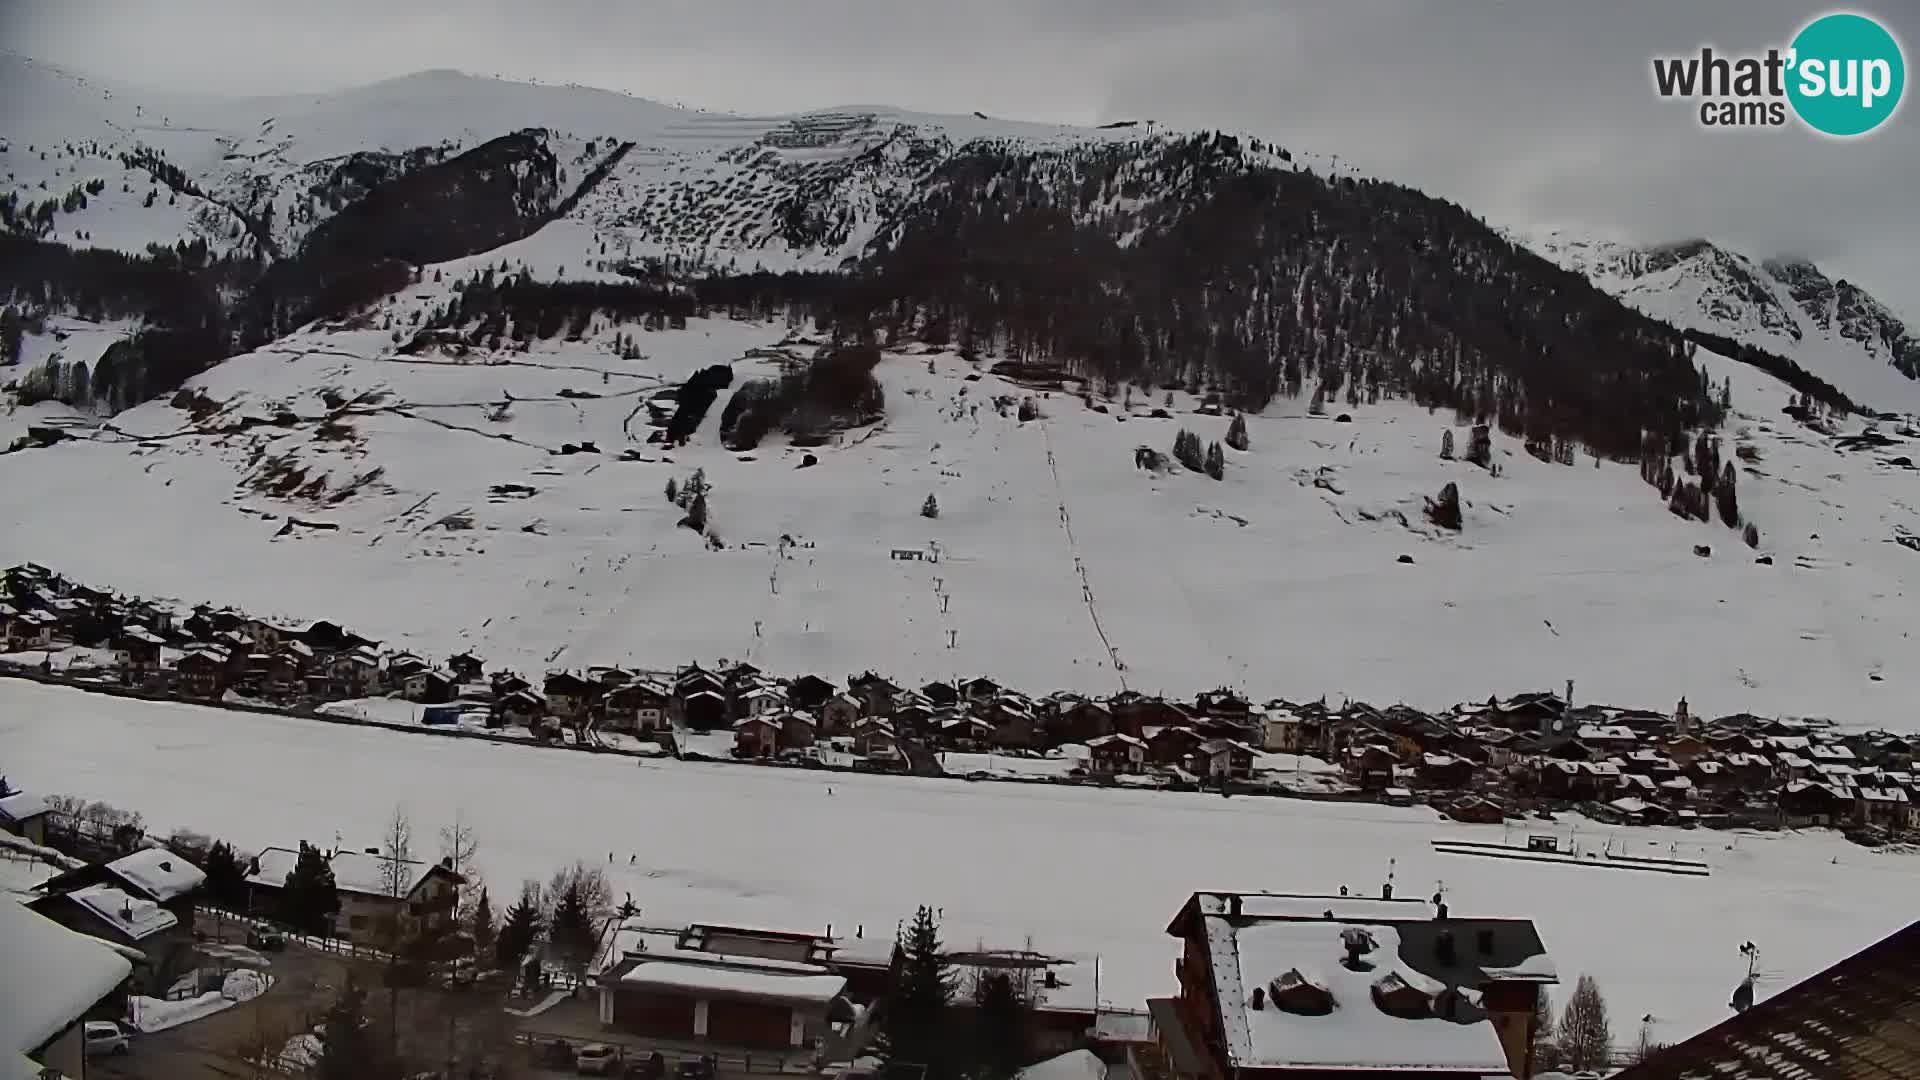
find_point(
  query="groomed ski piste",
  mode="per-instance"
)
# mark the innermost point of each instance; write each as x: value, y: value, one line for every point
x: 1085, y: 872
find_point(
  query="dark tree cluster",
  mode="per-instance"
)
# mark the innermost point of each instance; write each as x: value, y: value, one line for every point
x: 1265, y: 282
x: 1795, y: 376
x: 836, y: 391
x: 696, y: 397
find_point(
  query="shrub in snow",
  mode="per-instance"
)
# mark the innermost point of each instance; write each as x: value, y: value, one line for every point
x: 1444, y: 510
x: 1237, y: 433
x: 930, y: 508
x: 1446, y: 445
x: 1751, y: 535
x: 1480, y: 446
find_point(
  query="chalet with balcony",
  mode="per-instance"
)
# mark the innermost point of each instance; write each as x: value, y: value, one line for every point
x: 1222, y: 760
x: 1290, y: 987
x: 24, y: 815
x: 201, y: 672
x: 639, y: 707
x: 873, y: 737
x: 1172, y: 745
x: 840, y: 713
x: 1116, y: 754
x: 810, y: 692
x: 735, y: 988
x: 377, y: 898
x: 466, y: 667
x: 1081, y: 722
x: 756, y: 736
x: 569, y: 696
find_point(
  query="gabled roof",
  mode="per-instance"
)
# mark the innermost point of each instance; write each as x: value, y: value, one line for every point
x: 22, y: 806
x: 49, y: 977
x: 1857, y: 1020
x: 158, y: 873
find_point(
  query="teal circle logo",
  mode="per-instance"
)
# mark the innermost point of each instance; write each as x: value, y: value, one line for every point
x: 1847, y: 74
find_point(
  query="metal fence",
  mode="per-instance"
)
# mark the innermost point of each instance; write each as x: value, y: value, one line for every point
x: 537, y: 1044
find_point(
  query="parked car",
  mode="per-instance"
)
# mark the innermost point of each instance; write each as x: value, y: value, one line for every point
x: 104, y: 1037
x: 597, y: 1059
x: 701, y: 1068
x: 651, y: 1067
x: 556, y: 1053
x: 266, y: 940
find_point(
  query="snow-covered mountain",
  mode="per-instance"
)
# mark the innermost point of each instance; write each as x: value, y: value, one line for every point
x: 438, y: 286
x: 1789, y: 306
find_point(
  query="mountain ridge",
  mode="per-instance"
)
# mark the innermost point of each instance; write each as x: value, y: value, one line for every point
x: 1784, y: 304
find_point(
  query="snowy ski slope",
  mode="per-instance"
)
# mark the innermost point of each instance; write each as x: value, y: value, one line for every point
x: 1061, y: 563
x: 1085, y: 872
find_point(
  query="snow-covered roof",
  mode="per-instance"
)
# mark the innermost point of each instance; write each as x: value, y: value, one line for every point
x: 21, y: 805
x: 136, y: 917
x: 1605, y: 733
x: 49, y: 977
x: 353, y: 871
x: 1356, y: 1033
x: 735, y: 982
x: 1072, y: 1065
x: 1117, y: 738
x: 159, y: 873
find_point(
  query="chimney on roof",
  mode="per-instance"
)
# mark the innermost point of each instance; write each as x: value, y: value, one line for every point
x: 1569, y: 698
x: 1051, y: 980
x: 1440, y: 911
x: 1233, y: 905
x: 126, y: 910
x: 1259, y: 998
x: 166, y: 866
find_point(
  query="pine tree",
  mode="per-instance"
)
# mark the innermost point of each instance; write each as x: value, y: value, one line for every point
x: 1237, y: 433
x: 226, y: 879
x: 1751, y: 535
x: 1188, y: 452
x: 483, y: 930
x: 1004, y: 1026
x: 571, y: 928
x: 348, y: 1050
x: 520, y: 929
x: 1446, y: 445
x: 930, y: 508
x: 1726, y: 498
x: 915, y: 1016
x: 1586, y: 1040
x: 1216, y: 461
x: 309, y: 900
x: 1318, y: 406
x: 673, y: 491
x: 1546, y: 1055
x: 696, y: 518
x: 1444, y: 511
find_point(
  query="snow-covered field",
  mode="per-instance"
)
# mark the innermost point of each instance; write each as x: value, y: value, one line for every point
x: 1084, y: 871
x: 1283, y: 580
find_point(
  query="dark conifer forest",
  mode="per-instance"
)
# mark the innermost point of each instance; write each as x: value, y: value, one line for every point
x: 1206, y: 262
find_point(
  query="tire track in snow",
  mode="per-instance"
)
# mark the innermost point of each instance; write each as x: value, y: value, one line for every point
x: 1079, y: 566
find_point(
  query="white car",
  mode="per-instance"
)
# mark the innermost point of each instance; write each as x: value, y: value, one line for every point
x: 104, y: 1037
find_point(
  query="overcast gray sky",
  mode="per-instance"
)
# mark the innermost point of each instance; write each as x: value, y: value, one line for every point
x: 1537, y: 112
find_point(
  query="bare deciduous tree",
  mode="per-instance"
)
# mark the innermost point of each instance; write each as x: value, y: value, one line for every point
x: 396, y: 854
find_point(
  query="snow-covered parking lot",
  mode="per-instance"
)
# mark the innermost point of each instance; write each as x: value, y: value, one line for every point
x: 1083, y: 871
